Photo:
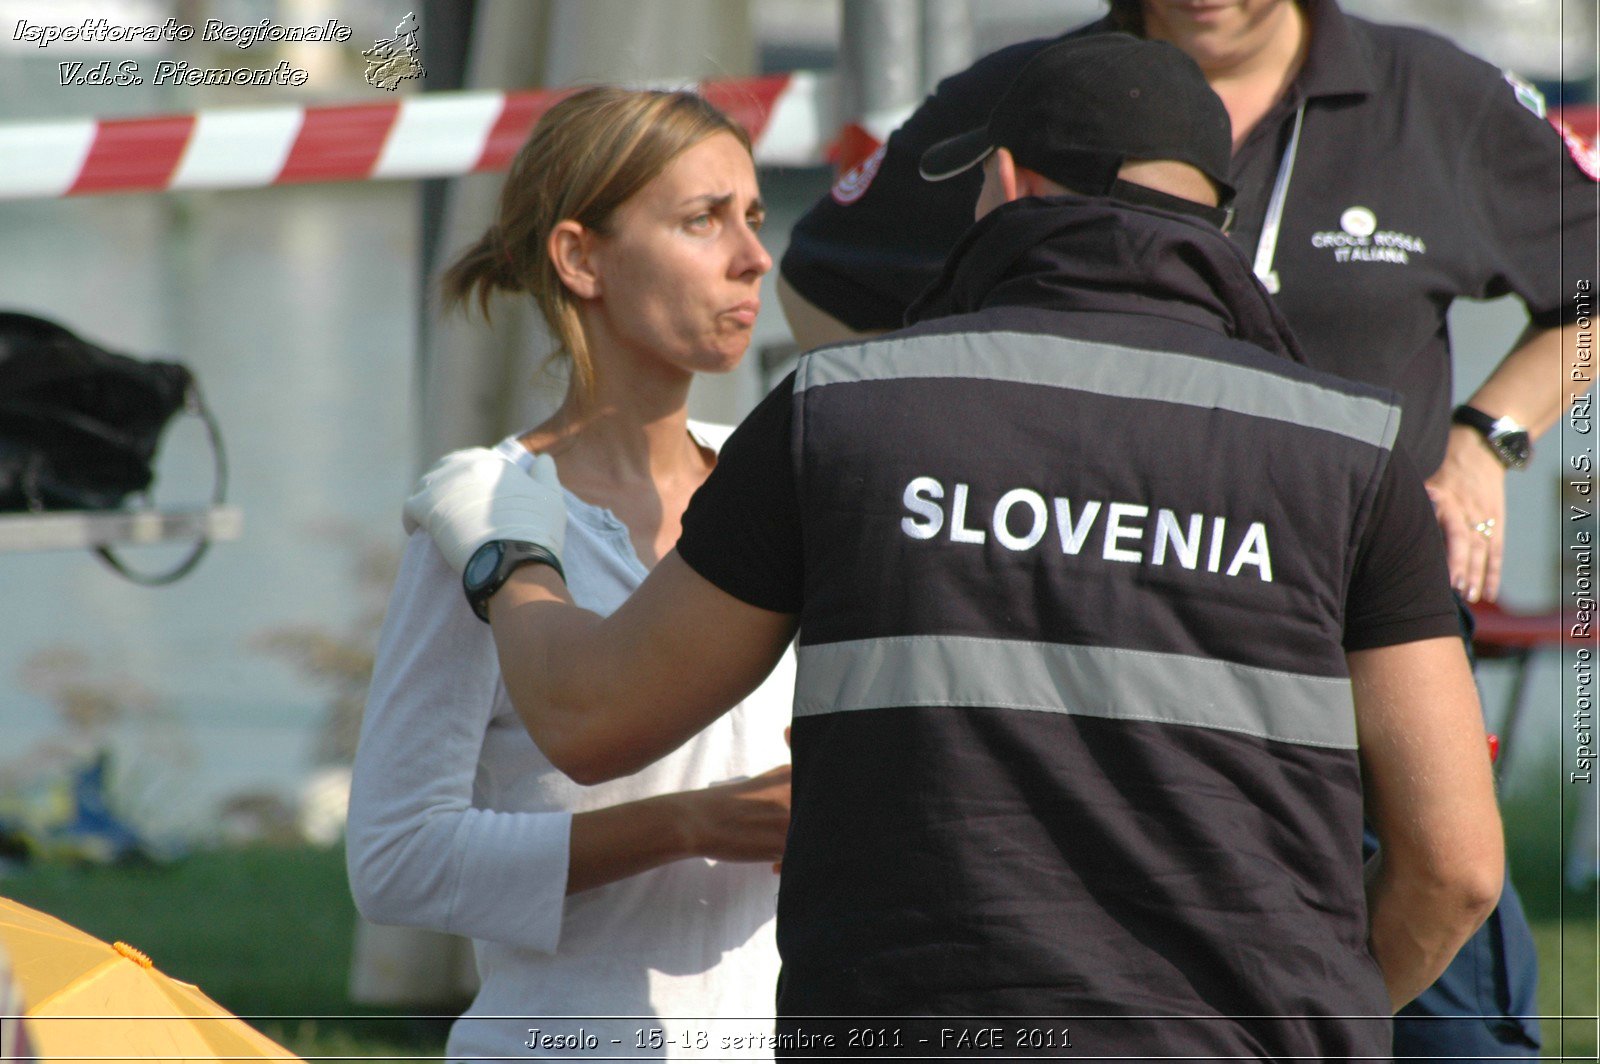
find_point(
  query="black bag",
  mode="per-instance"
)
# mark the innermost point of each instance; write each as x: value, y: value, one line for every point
x: 79, y: 425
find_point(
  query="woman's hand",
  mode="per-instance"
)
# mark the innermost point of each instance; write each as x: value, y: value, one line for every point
x: 1469, y: 499
x: 747, y: 820
x: 742, y: 821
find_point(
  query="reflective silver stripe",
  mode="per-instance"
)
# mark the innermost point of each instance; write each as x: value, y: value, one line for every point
x: 1132, y: 685
x: 1106, y: 369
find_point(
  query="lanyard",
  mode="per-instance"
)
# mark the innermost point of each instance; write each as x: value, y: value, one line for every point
x: 1267, y: 246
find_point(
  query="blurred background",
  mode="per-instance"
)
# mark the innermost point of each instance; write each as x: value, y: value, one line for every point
x: 221, y: 711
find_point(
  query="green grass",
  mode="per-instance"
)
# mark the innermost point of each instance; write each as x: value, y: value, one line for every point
x: 1539, y: 816
x: 1568, y: 955
x: 267, y: 933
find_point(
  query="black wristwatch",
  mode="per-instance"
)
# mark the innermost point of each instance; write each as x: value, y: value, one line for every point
x: 1508, y: 440
x: 492, y: 564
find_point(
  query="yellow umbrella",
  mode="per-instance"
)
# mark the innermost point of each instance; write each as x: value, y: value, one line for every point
x: 86, y: 999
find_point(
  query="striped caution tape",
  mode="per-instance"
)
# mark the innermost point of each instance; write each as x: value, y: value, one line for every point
x: 789, y: 117
x: 423, y: 135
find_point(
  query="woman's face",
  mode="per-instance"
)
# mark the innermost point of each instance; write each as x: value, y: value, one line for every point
x: 1214, y: 32
x: 679, y: 268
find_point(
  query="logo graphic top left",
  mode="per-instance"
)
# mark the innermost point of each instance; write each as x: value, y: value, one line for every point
x: 391, y: 61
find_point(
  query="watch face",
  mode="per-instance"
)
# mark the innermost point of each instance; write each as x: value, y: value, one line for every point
x: 1515, y: 447
x: 482, y: 564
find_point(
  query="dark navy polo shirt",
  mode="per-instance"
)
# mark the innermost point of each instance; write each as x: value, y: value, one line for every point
x: 1422, y: 175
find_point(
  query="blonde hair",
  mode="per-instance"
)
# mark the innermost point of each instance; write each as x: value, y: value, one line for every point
x: 586, y: 157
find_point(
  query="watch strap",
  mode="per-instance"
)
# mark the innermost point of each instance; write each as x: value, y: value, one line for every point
x: 1474, y: 418
x: 515, y: 553
x: 1508, y: 440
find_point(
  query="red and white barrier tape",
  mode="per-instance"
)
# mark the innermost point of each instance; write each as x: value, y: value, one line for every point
x: 789, y: 117
x: 425, y: 135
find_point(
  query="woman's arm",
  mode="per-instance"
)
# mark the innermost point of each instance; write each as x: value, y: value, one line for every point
x: 1534, y: 384
x: 743, y: 821
x: 419, y: 852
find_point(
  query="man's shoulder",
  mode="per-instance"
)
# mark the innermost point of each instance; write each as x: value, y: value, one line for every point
x: 1048, y: 332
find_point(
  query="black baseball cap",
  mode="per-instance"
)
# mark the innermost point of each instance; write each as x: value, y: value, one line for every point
x: 1080, y: 108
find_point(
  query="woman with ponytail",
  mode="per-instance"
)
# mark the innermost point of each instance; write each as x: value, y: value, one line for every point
x: 631, y: 218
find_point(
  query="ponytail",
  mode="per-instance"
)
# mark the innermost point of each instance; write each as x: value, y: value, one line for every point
x: 585, y: 158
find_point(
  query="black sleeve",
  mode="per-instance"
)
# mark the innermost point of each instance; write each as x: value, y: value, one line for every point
x: 1530, y: 190
x: 1400, y: 589
x: 866, y: 250
x: 742, y: 528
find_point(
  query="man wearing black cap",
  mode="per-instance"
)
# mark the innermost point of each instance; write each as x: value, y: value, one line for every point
x: 1096, y: 587
x: 1150, y: 128
x: 1382, y: 174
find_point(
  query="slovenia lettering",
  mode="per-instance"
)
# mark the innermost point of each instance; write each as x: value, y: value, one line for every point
x: 1126, y: 532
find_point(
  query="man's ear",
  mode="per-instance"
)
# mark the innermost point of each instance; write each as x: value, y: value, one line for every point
x: 572, y: 250
x: 1032, y: 183
x: 1006, y: 173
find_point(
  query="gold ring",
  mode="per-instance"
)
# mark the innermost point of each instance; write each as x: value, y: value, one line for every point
x: 1485, y: 528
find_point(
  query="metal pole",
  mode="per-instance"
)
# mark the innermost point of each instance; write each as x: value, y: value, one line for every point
x: 878, y: 58
x: 947, y: 40
x: 468, y: 369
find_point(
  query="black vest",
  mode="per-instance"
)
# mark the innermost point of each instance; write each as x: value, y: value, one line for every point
x: 1073, y: 729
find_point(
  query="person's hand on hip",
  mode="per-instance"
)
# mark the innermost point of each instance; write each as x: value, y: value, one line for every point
x: 1469, y: 498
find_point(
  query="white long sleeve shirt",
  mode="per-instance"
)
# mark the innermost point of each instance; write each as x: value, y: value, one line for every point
x: 459, y: 823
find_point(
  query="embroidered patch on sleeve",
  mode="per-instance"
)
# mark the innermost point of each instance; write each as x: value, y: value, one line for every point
x: 853, y: 183
x: 1527, y: 95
